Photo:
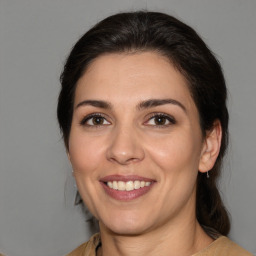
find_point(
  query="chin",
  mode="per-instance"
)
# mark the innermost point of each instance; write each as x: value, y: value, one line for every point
x: 127, y: 230
x: 126, y: 226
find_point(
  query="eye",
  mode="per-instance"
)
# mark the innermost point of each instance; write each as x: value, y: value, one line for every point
x: 159, y: 119
x: 95, y: 120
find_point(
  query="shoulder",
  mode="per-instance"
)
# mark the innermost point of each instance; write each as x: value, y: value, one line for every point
x: 88, y: 248
x: 225, y: 247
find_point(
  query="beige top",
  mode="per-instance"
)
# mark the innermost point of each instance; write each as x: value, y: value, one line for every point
x: 222, y: 246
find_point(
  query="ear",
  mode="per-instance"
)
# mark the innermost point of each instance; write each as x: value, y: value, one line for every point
x: 69, y: 158
x: 211, y: 148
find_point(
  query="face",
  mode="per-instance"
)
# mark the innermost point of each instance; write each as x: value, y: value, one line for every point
x: 135, y: 142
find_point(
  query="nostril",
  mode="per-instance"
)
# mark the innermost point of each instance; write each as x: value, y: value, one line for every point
x: 124, y: 148
x: 125, y: 160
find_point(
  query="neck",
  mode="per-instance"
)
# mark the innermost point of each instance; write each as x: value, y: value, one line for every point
x: 170, y: 239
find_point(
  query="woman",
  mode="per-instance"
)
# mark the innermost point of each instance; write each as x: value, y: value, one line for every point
x: 143, y: 114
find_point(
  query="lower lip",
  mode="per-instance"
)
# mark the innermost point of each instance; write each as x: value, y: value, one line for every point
x: 126, y: 195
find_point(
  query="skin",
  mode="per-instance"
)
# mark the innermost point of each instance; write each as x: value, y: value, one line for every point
x: 128, y: 140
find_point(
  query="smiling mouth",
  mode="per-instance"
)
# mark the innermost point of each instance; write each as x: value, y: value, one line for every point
x: 127, y: 186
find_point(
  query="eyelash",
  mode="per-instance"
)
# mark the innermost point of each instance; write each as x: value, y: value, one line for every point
x: 85, y: 120
x: 170, y: 119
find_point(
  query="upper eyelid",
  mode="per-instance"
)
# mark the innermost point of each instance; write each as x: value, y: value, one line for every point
x: 170, y: 118
x: 89, y: 116
x: 109, y: 119
x: 155, y: 114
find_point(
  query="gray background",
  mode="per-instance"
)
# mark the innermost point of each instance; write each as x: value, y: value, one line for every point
x: 37, y: 215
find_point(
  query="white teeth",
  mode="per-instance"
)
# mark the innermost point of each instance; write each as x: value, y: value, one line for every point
x: 136, y: 184
x: 121, y: 185
x: 110, y: 184
x: 115, y: 186
x: 129, y: 185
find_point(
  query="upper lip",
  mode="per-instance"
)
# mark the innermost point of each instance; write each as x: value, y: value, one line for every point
x: 124, y: 178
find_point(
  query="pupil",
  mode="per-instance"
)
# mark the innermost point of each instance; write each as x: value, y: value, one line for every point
x: 160, y: 120
x: 97, y: 120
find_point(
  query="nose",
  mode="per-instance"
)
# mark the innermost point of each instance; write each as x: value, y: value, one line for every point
x: 125, y: 146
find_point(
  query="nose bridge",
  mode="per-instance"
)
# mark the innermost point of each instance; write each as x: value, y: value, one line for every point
x: 124, y: 145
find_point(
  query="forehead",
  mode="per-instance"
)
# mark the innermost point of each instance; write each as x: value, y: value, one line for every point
x: 132, y: 77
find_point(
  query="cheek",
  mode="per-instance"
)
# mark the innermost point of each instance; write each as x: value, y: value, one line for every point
x: 84, y: 152
x: 176, y: 152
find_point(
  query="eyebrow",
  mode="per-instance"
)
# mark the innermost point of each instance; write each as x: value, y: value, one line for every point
x: 159, y: 102
x: 143, y: 105
x: 95, y: 103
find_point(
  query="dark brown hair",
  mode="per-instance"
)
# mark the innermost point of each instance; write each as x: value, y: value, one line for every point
x: 164, y: 34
